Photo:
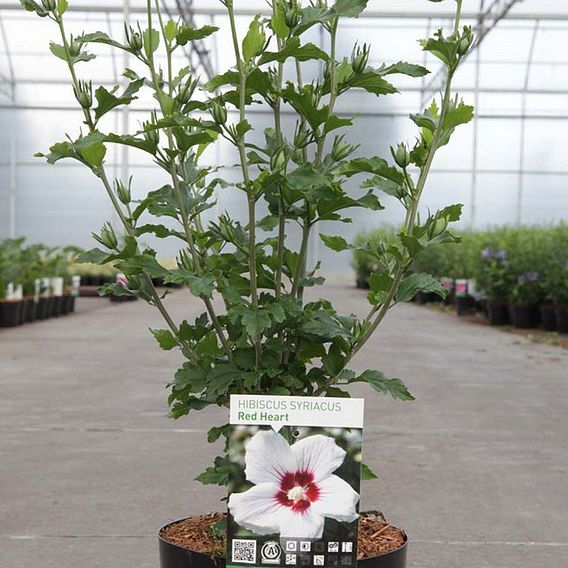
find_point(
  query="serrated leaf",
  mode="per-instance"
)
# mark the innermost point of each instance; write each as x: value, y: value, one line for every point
x: 254, y: 40
x: 151, y: 40
x: 187, y: 34
x: 335, y: 243
x: 349, y: 8
x: 419, y: 282
x: 380, y: 383
x: 165, y: 338
x: 293, y: 49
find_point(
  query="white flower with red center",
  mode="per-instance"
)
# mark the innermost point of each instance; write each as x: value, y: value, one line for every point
x: 294, y: 486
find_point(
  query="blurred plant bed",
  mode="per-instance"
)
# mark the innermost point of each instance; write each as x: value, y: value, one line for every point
x: 94, y: 276
x: 506, y: 276
x: 35, y: 282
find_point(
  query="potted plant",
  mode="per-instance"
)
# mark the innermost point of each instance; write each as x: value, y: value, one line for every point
x: 525, y: 299
x: 258, y: 334
x: 11, y: 301
x: 494, y: 280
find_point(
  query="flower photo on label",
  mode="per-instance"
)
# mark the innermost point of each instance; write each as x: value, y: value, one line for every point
x: 295, y: 485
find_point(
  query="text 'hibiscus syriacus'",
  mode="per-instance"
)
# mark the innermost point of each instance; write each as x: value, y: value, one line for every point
x: 295, y: 488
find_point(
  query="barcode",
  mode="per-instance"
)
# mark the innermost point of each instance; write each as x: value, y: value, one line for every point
x: 244, y: 551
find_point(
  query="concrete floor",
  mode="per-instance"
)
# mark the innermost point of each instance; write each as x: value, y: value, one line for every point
x: 90, y: 467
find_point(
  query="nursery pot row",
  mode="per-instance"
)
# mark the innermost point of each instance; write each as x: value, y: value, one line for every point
x: 17, y: 312
x: 527, y: 316
x: 175, y: 556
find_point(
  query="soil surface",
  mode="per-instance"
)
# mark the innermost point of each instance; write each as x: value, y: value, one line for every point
x: 195, y: 533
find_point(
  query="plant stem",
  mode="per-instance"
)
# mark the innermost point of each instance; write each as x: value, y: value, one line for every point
x: 101, y: 174
x: 175, y: 179
x: 241, y: 145
x: 413, y: 211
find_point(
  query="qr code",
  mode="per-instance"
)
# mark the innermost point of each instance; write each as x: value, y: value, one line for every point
x: 244, y: 551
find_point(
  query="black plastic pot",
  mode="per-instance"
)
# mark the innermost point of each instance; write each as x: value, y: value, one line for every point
x: 174, y: 556
x: 114, y: 298
x: 465, y: 305
x: 561, y: 313
x: 69, y: 303
x: 11, y: 313
x: 30, y: 310
x: 57, y: 308
x: 427, y: 298
x: 524, y: 316
x: 497, y: 313
x: 548, y: 317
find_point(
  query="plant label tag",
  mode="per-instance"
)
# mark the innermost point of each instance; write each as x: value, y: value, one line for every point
x: 294, y: 468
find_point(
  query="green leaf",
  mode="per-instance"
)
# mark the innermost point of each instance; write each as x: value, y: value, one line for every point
x: 349, y: 8
x: 458, y: 114
x: 278, y: 22
x: 294, y: 49
x: 419, y: 282
x: 367, y: 473
x: 255, y: 322
x: 170, y: 30
x: 254, y: 40
x: 62, y: 6
x: 220, y: 379
x: 333, y: 361
x: 108, y: 101
x: 376, y: 379
x: 335, y: 243
x: 165, y: 338
x: 306, y: 176
x: 403, y: 68
x: 200, y: 286
x: 94, y: 154
x: 187, y: 34
x: 93, y: 256
x: 324, y: 326
x: 151, y: 40
x: 217, y: 431
x: 372, y: 82
x: 32, y: 6
x: 218, y: 474
x: 375, y: 165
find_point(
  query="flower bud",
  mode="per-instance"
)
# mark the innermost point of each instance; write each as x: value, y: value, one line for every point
x: 360, y: 58
x: 84, y: 94
x: 340, y: 149
x: 75, y: 47
x: 465, y: 43
x: 186, y: 92
x: 219, y: 113
x: 278, y: 160
x: 184, y: 261
x: 437, y: 227
x: 301, y: 136
x: 401, y: 155
x: 292, y: 17
x: 49, y: 5
x: 107, y: 237
x: 133, y: 39
x: 123, y: 191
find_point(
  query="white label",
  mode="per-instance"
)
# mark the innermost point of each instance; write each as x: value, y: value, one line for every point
x: 45, y: 288
x: 10, y: 291
x: 57, y: 286
x: 278, y: 411
x: 19, y: 292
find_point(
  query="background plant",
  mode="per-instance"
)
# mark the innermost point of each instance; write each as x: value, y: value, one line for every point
x: 257, y: 333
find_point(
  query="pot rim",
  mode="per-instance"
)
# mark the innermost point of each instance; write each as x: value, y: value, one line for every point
x: 167, y: 542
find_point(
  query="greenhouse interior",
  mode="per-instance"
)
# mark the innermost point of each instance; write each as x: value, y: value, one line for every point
x: 208, y: 208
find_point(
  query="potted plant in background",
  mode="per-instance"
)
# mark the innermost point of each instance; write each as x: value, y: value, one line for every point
x: 494, y: 281
x: 258, y: 334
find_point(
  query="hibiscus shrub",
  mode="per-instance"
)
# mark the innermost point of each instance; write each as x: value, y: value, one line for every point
x: 257, y: 333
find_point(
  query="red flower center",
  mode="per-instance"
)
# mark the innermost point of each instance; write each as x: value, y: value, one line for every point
x: 297, y: 490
